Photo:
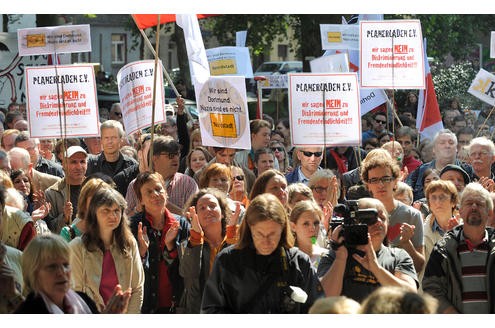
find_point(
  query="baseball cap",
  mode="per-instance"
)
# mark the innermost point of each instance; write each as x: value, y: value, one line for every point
x: 75, y: 149
x: 452, y: 167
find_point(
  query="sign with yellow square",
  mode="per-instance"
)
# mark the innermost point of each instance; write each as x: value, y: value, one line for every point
x: 223, y: 125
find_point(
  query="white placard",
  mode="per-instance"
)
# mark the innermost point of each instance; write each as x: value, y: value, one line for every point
x: 392, y: 55
x: 136, y: 81
x: 240, y: 38
x: 338, y: 63
x: 223, y: 112
x: 483, y: 87
x: 76, y: 93
x: 335, y: 123
x: 339, y: 36
x: 54, y: 39
x: 230, y: 61
x: 370, y: 98
x: 277, y: 81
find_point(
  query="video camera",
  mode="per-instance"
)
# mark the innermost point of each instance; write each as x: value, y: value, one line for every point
x: 354, y: 222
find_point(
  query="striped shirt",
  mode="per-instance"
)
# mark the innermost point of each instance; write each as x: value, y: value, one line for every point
x: 474, y: 278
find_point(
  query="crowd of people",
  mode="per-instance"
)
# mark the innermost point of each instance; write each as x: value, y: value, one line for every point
x: 160, y: 223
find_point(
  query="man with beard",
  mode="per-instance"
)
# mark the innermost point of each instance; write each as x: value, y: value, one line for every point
x: 355, y: 272
x: 460, y: 272
x: 445, y: 152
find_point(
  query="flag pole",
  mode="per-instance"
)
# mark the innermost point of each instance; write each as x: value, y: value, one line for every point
x: 155, y: 76
x: 150, y: 47
x: 486, y: 119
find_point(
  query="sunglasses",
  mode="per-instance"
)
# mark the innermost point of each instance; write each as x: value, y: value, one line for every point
x: 309, y: 153
x: 380, y: 121
x: 118, y: 114
x: 279, y: 149
x: 238, y: 178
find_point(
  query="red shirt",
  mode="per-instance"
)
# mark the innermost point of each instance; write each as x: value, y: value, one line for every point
x: 165, y: 290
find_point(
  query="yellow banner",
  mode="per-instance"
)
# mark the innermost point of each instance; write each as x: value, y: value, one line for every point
x: 223, y: 125
x: 334, y: 37
x: 36, y: 40
x: 223, y: 67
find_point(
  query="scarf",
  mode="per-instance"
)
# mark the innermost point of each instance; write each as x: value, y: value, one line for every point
x: 73, y: 304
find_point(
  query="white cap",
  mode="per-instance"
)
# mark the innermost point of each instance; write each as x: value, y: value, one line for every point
x: 75, y: 149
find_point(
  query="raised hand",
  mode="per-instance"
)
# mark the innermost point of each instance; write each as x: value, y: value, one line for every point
x: 171, y: 235
x: 334, y: 188
x: 406, y: 233
x: 117, y: 304
x: 39, y: 198
x: 143, y: 240
x: 41, y: 212
x: 193, y: 217
x: 327, y: 214
x: 234, y: 219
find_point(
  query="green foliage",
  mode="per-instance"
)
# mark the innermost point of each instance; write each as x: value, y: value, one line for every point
x: 454, y: 81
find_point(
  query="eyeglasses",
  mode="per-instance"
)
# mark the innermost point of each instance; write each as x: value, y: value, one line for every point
x: 309, y: 153
x: 170, y: 155
x: 440, y: 198
x: 380, y: 122
x: 384, y: 180
x: 238, y: 178
x: 277, y: 149
x: 478, y: 153
x: 319, y: 189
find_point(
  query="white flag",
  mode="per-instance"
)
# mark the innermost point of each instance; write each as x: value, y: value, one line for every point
x: 198, y: 62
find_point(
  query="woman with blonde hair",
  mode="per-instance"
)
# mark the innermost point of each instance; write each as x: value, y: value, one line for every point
x: 263, y: 272
x: 47, y: 279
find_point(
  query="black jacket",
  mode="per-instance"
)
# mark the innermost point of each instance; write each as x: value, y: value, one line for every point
x: 243, y: 282
x: 34, y: 304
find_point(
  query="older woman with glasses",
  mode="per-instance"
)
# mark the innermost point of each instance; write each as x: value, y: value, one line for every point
x: 238, y: 190
x: 47, y: 274
x: 442, y: 198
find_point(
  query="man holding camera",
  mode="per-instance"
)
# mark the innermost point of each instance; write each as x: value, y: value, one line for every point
x: 356, y: 271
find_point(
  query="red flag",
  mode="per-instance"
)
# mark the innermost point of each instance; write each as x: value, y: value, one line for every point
x: 149, y: 20
x: 429, y: 119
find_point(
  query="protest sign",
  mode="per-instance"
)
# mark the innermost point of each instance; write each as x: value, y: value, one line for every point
x: 136, y: 82
x: 324, y: 109
x: 223, y: 112
x: 240, y: 38
x: 276, y: 81
x: 392, y: 55
x: 54, y: 40
x: 337, y: 63
x: 339, y: 36
x: 71, y: 111
x: 483, y: 87
x: 12, y: 66
x: 370, y: 98
x: 230, y: 61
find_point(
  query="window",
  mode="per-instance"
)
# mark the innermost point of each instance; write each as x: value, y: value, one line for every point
x: 119, y: 48
x: 283, y: 51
